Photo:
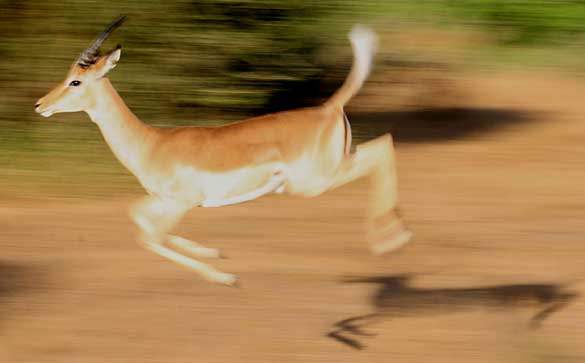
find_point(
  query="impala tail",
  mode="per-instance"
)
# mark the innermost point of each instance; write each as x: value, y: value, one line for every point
x: 364, y: 43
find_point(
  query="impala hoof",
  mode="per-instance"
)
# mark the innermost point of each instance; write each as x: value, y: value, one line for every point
x: 227, y: 279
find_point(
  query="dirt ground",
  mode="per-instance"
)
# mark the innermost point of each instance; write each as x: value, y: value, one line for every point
x: 498, y: 220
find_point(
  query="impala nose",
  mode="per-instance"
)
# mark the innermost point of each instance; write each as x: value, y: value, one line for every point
x: 37, y: 106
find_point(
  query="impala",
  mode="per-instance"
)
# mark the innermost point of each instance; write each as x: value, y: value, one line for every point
x: 302, y: 152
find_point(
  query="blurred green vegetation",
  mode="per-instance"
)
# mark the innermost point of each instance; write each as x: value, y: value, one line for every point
x: 208, y: 62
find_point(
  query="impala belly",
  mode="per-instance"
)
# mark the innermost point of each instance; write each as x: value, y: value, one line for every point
x: 211, y: 189
x: 241, y: 182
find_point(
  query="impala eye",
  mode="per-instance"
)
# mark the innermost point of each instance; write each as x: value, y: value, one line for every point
x: 75, y: 83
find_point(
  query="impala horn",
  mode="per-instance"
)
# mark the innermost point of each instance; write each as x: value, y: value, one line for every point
x: 91, y: 54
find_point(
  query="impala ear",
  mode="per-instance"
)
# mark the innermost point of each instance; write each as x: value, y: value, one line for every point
x: 108, y: 62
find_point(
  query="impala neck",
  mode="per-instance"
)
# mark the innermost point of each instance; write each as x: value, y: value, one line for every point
x: 129, y: 138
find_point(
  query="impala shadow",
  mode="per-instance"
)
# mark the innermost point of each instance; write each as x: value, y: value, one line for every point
x: 395, y: 297
x: 436, y: 123
x: 17, y: 280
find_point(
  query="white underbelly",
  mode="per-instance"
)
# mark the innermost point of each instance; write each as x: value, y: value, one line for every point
x: 216, y: 188
x: 240, y: 184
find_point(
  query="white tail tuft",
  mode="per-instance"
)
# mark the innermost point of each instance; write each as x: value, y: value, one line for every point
x: 364, y: 43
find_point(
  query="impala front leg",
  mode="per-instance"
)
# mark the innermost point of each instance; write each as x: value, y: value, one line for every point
x: 193, y: 248
x: 154, y: 217
x: 375, y: 158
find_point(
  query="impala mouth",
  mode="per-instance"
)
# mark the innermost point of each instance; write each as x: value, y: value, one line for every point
x: 44, y: 113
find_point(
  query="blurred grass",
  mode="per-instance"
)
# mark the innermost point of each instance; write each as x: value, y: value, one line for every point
x: 209, y: 62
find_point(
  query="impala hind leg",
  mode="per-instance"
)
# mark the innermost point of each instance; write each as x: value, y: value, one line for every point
x: 155, y: 217
x: 375, y: 159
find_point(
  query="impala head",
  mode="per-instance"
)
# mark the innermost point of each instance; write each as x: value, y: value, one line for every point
x: 75, y: 93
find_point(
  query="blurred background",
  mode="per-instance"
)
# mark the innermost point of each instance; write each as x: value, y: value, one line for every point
x: 483, y: 98
x: 211, y: 62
